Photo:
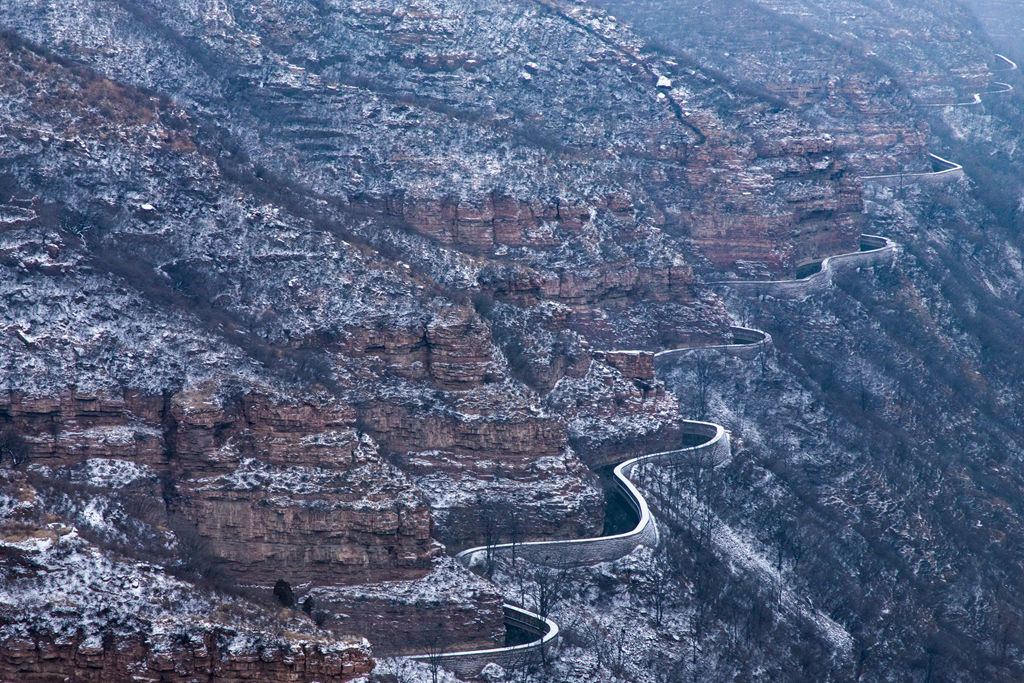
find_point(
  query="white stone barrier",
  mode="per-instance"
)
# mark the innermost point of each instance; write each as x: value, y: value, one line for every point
x: 580, y: 552
x: 951, y: 171
x: 1010, y: 64
x: 975, y: 100
x: 471, y: 662
x: 714, y: 451
x: 874, y: 251
x: 1000, y: 88
x: 747, y: 344
x: 577, y: 553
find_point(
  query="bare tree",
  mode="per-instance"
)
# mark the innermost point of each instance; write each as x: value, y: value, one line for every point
x: 435, y: 648
x: 13, y: 447
x: 607, y: 643
x: 550, y: 587
x: 514, y: 529
x: 702, y: 374
x: 488, y: 521
x: 399, y: 670
x: 659, y: 586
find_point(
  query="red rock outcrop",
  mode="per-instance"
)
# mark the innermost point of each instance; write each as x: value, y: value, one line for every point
x: 520, y: 436
x: 452, y: 350
x: 277, y: 489
x: 449, y: 608
x: 816, y: 212
x: 70, y: 428
x: 493, y: 447
x: 291, y: 491
x: 42, y: 660
x: 636, y: 365
x: 71, y: 611
x: 493, y: 220
x: 458, y: 350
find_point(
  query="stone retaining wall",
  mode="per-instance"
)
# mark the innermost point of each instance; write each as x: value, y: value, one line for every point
x: 716, y: 450
x: 587, y: 551
x: 1010, y: 64
x: 874, y: 251
x: 470, y: 663
x: 747, y: 344
x: 1000, y: 89
x: 952, y: 171
x: 580, y: 552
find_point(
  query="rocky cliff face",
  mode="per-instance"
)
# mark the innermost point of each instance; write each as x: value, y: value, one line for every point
x: 247, y: 292
x: 94, y: 615
x: 302, y: 290
x: 277, y: 489
x: 245, y: 471
x: 672, y: 156
x: 796, y: 52
x: 452, y: 614
x: 44, y: 660
x: 294, y: 492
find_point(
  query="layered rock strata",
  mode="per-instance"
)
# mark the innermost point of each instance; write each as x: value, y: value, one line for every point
x: 670, y: 151
x: 94, y: 616
x: 453, y: 613
x: 278, y: 491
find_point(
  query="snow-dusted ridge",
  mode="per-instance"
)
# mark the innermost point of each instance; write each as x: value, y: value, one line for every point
x: 747, y: 343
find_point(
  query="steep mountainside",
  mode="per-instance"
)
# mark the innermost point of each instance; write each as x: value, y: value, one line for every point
x: 302, y: 297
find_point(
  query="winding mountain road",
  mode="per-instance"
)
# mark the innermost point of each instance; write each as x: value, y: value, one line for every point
x: 976, y: 97
x: 748, y: 343
x: 716, y: 447
x: 579, y: 552
x: 952, y: 170
x: 1010, y: 64
x: 874, y: 249
x: 589, y: 551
